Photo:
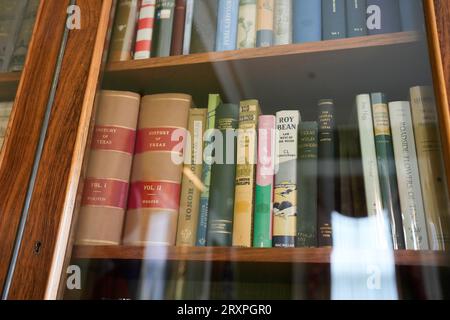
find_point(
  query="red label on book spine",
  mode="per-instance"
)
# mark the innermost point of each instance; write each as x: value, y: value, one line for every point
x: 160, y: 140
x: 154, y: 195
x: 112, y: 138
x: 105, y: 193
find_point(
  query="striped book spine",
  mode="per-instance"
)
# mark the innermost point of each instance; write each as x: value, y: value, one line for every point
x: 145, y: 30
x: 264, y: 23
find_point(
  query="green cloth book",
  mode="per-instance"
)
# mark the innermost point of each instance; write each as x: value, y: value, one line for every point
x: 162, y: 33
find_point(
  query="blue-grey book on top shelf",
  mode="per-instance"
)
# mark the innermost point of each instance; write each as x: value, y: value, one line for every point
x: 412, y: 15
x: 333, y: 19
x: 307, y: 24
x: 356, y: 18
x: 227, y: 24
x: 383, y: 16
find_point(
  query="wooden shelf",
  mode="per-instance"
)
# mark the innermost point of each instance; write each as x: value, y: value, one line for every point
x: 273, y: 255
x: 9, y: 81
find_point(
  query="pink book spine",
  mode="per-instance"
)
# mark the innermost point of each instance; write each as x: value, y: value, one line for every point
x: 145, y: 30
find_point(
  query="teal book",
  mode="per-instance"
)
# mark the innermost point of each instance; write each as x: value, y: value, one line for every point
x: 162, y: 33
x: 223, y: 177
x: 214, y: 102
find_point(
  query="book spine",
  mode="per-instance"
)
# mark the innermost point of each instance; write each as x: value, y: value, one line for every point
x: 386, y: 168
x: 383, y: 16
x: 264, y: 23
x: 223, y: 176
x: 214, y: 102
x: 265, y: 172
x: 227, y: 23
x: 307, y: 193
x: 356, y: 18
x: 154, y: 197
x: 245, y: 173
x: 247, y: 24
x: 307, y: 24
x: 345, y: 183
x: 412, y: 15
x: 285, y: 193
x: 164, y: 18
x: 431, y: 167
x: 283, y: 22
x: 411, y: 202
x: 106, y: 185
x: 188, y: 26
x: 124, y: 30
x: 176, y: 47
x: 333, y: 19
x: 204, y: 26
x: 144, y: 35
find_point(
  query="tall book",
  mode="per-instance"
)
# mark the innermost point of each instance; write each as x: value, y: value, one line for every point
x: 144, y: 36
x: 191, y: 185
x: 204, y: 26
x: 307, y: 24
x: 247, y: 24
x: 356, y: 18
x: 124, y: 30
x: 383, y: 16
x: 327, y: 172
x: 227, y: 24
x: 162, y: 35
x: 264, y: 23
x: 411, y: 201
x: 386, y: 168
x: 154, y: 197
x: 412, y: 15
x: 285, y: 193
x: 188, y: 26
x: 334, y: 25
x: 179, y: 21
x: 307, y: 186
x: 213, y: 103
x: 105, y: 191
x: 265, y: 171
x: 245, y: 173
x: 345, y: 182
x: 223, y: 175
x: 431, y: 167
x: 282, y: 22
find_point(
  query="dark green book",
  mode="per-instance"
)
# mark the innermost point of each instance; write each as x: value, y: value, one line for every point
x: 223, y: 175
x: 345, y: 182
x: 204, y: 26
x: 386, y: 168
x: 307, y: 185
x: 162, y: 33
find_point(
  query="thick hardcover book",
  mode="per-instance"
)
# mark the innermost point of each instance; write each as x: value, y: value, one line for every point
x: 223, y: 175
x: 412, y: 15
x: 247, y: 24
x: 154, y: 197
x: 285, y: 204
x: 179, y: 22
x: 162, y: 35
x: 245, y: 173
x: 214, y: 102
x: 264, y: 23
x: 108, y: 174
x: 334, y: 25
x: 386, y: 168
x: 265, y: 171
x: 307, y: 186
x: 345, y: 182
x: 431, y: 167
x: 191, y: 185
x: 124, y: 30
x: 383, y: 16
x: 356, y: 18
x: 411, y: 201
x: 283, y: 22
x: 204, y: 26
x: 307, y: 24
x: 327, y: 172
x: 144, y: 36
x: 227, y: 25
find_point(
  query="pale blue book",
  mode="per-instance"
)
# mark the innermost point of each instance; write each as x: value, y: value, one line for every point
x: 307, y: 21
x: 227, y: 25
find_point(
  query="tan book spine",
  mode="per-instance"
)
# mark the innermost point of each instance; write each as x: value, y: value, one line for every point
x: 245, y: 173
x: 154, y: 198
x: 191, y: 186
x: 431, y: 167
x: 108, y: 172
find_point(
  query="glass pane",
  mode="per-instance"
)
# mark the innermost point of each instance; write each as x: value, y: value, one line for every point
x: 265, y: 149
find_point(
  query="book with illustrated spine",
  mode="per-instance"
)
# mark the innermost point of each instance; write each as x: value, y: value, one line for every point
x: 227, y: 25
x: 282, y: 22
x: 247, y: 24
x: 144, y: 36
x: 264, y: 23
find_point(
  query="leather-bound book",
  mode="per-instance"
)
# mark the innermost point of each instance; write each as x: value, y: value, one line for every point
x: 106, y: 185
x: 154, y: 198
x: 178, y: 28
x: 162, y: 34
